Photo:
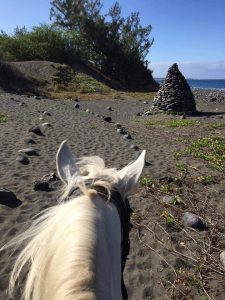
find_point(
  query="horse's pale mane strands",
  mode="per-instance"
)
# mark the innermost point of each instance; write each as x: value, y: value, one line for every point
x: 73, y: 250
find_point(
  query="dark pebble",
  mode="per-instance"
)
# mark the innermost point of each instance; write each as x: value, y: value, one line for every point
x: 8, y: 198
x: 29, y: 151
x: 136, y: 148
x: 24, y: 160
x: 127, y: 136
x: 107, y: 119
x: 76, y: 105
x: 41, y: 185
x: 29, y: 141
x: 47, y: 113
x: 36, y: 130
x: 194, y: 221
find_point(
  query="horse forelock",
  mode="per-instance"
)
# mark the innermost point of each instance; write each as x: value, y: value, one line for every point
x: 94, y: 172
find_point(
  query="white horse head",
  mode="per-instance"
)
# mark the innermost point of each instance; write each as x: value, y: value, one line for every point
x: 73, y: 249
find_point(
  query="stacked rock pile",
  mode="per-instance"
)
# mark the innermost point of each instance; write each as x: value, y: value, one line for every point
x: 174, y: 93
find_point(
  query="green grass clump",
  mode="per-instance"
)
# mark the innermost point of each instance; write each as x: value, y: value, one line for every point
x: 172, y: 123
x: 3, y: 118
x: 168, y: 217
x: 146, y: 181
x: 181, y: 167
x: 218, y: 125
x: 205, y: 180
x: 211, y: 150
x: 181, y: 123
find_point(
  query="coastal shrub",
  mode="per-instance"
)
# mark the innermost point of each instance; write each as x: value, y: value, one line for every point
x: 44, y: 42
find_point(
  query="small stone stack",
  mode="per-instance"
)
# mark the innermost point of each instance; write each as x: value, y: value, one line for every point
x: 174, y: 93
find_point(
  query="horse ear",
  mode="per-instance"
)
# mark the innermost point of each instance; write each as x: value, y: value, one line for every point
x: 130, y: 174
x: 65, y: 163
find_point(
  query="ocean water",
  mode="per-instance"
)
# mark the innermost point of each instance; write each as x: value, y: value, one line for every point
x: 218, y: 84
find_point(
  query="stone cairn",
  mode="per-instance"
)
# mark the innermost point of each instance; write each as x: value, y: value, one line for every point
x: 174, y: 94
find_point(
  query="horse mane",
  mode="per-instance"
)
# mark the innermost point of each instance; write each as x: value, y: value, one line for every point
x: 43, y: 245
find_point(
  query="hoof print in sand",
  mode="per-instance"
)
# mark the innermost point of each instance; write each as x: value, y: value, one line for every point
x: 22, y: 159
x: 36, y: 130
x: 42, y: 185
x: 29, y: 151
x: 9, y: 199
x: 194, y: 221
x: 107, y: 119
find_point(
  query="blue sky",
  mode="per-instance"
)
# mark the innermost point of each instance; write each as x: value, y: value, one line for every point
x: 189, y: 32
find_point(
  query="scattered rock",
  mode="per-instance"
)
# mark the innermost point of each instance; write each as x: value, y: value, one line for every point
x: 77, y: 105
x: 127, y: 136
x: 8, y: 198
x: 41, y: 185
x: 139, y: 114
x: 183, y: 117
x: 147, y: 113
x: 29, y: 141
x: 145, y: 102
x: 109, y: 108
x: 213, y: 99
x: 118, y: 125
x: 36, y: 130
x: 107, y: 119
x: 121, y: 131
x: 29, y: 151
x: 194, y: 221
x: 147, y: 163
x: 37, y: 97
x: 136, y: 148
x: 22, y: 104
x: 24, y: 160
x: 168, y: 199
x: 97, y: 115
x: 50, y: 177
x: 222, y: 258
x: 47, y: 113
x: 41, y: 118
x: 87, y: 110
x: 46, y: 124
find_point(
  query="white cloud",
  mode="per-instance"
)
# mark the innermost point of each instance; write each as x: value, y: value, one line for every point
x: 196, y: 70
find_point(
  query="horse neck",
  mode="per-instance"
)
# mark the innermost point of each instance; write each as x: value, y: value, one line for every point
x: 87, y: 262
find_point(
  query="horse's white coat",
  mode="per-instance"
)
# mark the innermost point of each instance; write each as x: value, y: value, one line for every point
x: 74, y: 248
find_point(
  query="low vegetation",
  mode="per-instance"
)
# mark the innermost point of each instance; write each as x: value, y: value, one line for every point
x: 3, y: 118
x: 210, y: 149
x: 172, y: 123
